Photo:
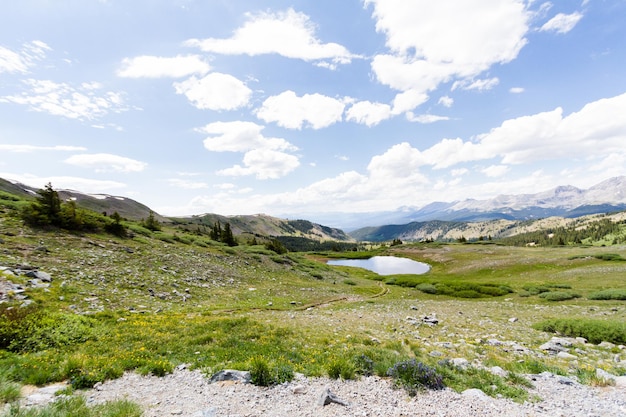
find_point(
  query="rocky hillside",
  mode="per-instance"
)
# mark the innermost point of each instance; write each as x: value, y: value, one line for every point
x: 257, y: 225
x: 497, y: 229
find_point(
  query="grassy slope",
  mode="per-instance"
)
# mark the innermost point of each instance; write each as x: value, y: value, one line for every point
x: 216, y: 307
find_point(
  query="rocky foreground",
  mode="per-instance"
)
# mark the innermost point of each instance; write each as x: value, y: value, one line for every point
x: 190, y: 393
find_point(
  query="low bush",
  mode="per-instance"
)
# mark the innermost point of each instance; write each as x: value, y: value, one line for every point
x: 415, y: 376
x: 558, y: 296
x: 427, y: 288
x: 611, y: 294
x: 32, y: 330
x: 264, y: 374
x: 595, y: 331
x: 340, y: 368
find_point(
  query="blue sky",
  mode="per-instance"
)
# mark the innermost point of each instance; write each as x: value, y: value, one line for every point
x: 292, y: 108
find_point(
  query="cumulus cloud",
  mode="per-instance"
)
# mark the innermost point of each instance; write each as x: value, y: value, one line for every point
x: 290, y: 111
x: 288, y: 33
x: 516, y: 90
x: 408, y: 100
x: 562, y: 23
x: 215, y: 91
x: 104, y: 162
x: 239, y: 136
x: 21, y: 61
x: 266, y: 158
x: 84, y: 102
x: 264, y: 164
x: 147, y: 66
x: 446, y: 101
x: 495, y: 171
x: 434, y: 42
x: 368, y: 113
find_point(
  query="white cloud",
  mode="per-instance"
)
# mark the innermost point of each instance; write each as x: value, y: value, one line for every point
x: 263, y: 157
x: 485, y: 84
x: 264, y: 164
x: 368, y: 113
x: 425, y: 118
x: 516, y: 90
x: 215, y: 91
x: 434, y: 42
x: 34, y: 148
x: 562, y: 23
x: 495, y: 171
x: 21, y: 61
x: 459, y: 172
x: 187, y: 185
x: 290, y: 111
x: 61, y: 99
x: 104, y: 162
x: 240, y: 136
x: 446, y: 101
x: 146, y: 66
x: 408, y: 100
x: 596, y: 130
x: 399, y: 161
x: 289, y: 33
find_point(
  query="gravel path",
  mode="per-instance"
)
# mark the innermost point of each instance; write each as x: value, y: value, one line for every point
x: 189, y: 393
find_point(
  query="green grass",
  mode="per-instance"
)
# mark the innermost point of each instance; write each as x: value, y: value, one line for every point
x: 147, y: 304
x: 610, y: 294
x: 76, y: 406
x: 595, y: 331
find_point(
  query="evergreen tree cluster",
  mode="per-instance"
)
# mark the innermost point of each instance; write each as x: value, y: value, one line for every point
x: 49, y: 211
x: 571, y: 235
x: 224, y: 235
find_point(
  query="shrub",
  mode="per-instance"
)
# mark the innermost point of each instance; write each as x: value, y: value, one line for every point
x: 31, y: 330
x: 595, y: 331
x: 558, y: 296
x: 363, y: 365
x: 264, y: 375
x: 427, y: 288
x: 340, y: 368
x: 415, y: 376
x: 611, y: 294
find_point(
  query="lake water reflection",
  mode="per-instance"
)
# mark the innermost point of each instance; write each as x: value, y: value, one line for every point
x: 385, y: 265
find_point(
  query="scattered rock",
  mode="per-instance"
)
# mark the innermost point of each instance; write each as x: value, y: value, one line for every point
x: 513, y: 320
x: 327, y: 397
x: 231, y: 375
x: 40, y: 275
x: 474, y: 392
x: 565, y: 355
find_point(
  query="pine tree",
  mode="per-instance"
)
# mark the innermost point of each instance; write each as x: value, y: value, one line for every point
x: 227, y: 236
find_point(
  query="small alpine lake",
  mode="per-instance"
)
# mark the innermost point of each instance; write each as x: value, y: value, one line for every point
x: 385, y: 265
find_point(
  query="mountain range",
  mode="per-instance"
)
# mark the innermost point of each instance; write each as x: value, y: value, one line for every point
x: 562, y: 201
x: 438, y: 220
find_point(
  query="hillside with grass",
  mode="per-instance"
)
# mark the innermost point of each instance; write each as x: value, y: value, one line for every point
x: 86, y: 303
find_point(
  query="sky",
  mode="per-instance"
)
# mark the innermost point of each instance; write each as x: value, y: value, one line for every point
x: 299, y: 108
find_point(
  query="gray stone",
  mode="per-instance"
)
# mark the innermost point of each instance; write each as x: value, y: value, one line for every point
x: 211, y: 412
x: 231, y: 375
x: 497, y: 371
x: 475, y: 393
x: 460, y: 363
x: 40, y: 275
x: 565, y: 355
x: 327, y: 397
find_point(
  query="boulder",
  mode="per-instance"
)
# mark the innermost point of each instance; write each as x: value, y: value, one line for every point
x: 231, y: 375
x: 327, y: 397
x: 40, y: 275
